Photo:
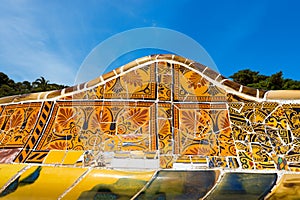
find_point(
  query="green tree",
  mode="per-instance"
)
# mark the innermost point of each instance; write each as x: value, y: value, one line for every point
x: 3, y: 78
x: 290, y: 84
x: 9, y: 87
x: 27, y: 85
x: 6, y: 85
x: 41, y: 84
x: 274, y: 82
x: 246, y: 77
x: 23, y: 87
x: 6, y: 90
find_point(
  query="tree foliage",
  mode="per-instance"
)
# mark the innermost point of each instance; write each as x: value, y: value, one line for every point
x: 274, y: 82
x: 9, y: 87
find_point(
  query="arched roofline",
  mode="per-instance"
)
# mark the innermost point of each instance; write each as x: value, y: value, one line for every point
x: 228, y: 85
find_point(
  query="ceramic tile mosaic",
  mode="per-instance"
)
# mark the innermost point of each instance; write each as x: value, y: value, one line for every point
x: 17, y: 122
x: 35, y: 179
x: 115, y: 184
x: 234, y: 185
x: 160, y: 127
x: 180, y: 185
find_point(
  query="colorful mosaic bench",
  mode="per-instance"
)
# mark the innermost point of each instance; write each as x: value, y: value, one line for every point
x: 160, y: 127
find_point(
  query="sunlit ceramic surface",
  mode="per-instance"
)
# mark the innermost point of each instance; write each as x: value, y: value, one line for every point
x: 161, y: 127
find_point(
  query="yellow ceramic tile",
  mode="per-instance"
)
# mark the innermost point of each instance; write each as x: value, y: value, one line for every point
x: 55, y: 157
x: 120, y: 183
x: 8, y: 171
x: 191, y: 159
x: 166, y: 161
x: 288, y: 188
x: 45, y: 182
x: 139, y: 83
x: 72, y: 157
x: 165, y: 135
x: 30, y: 171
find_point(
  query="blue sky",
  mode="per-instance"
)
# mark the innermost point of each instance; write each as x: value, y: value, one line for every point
x: 52, y: 38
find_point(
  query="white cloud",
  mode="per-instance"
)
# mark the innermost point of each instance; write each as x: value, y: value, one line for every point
x: 51, y: 38
x: 26, y: 47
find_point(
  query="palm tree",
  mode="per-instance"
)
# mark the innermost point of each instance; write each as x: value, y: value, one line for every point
x: 41, y: 84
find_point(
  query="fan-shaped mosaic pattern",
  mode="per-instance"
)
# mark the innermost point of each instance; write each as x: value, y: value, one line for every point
x: 161, y: 127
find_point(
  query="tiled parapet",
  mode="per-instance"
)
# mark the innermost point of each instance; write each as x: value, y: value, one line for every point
x: 160, y: 127
x: 164, y: 108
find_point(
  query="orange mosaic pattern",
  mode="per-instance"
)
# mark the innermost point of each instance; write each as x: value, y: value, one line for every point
x: 158, y: 112
x: 136, y: 84
x: 100, y: 126
x: 203, y: 129
x: 189, y: 86
x: 17, y: 122
x: 164, y: 107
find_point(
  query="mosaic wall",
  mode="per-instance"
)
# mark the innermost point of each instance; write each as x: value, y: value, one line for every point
x: 159, y: 112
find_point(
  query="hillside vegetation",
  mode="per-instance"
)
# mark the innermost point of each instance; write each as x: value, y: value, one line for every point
x: 9, y: 87
x: 256, y: 80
